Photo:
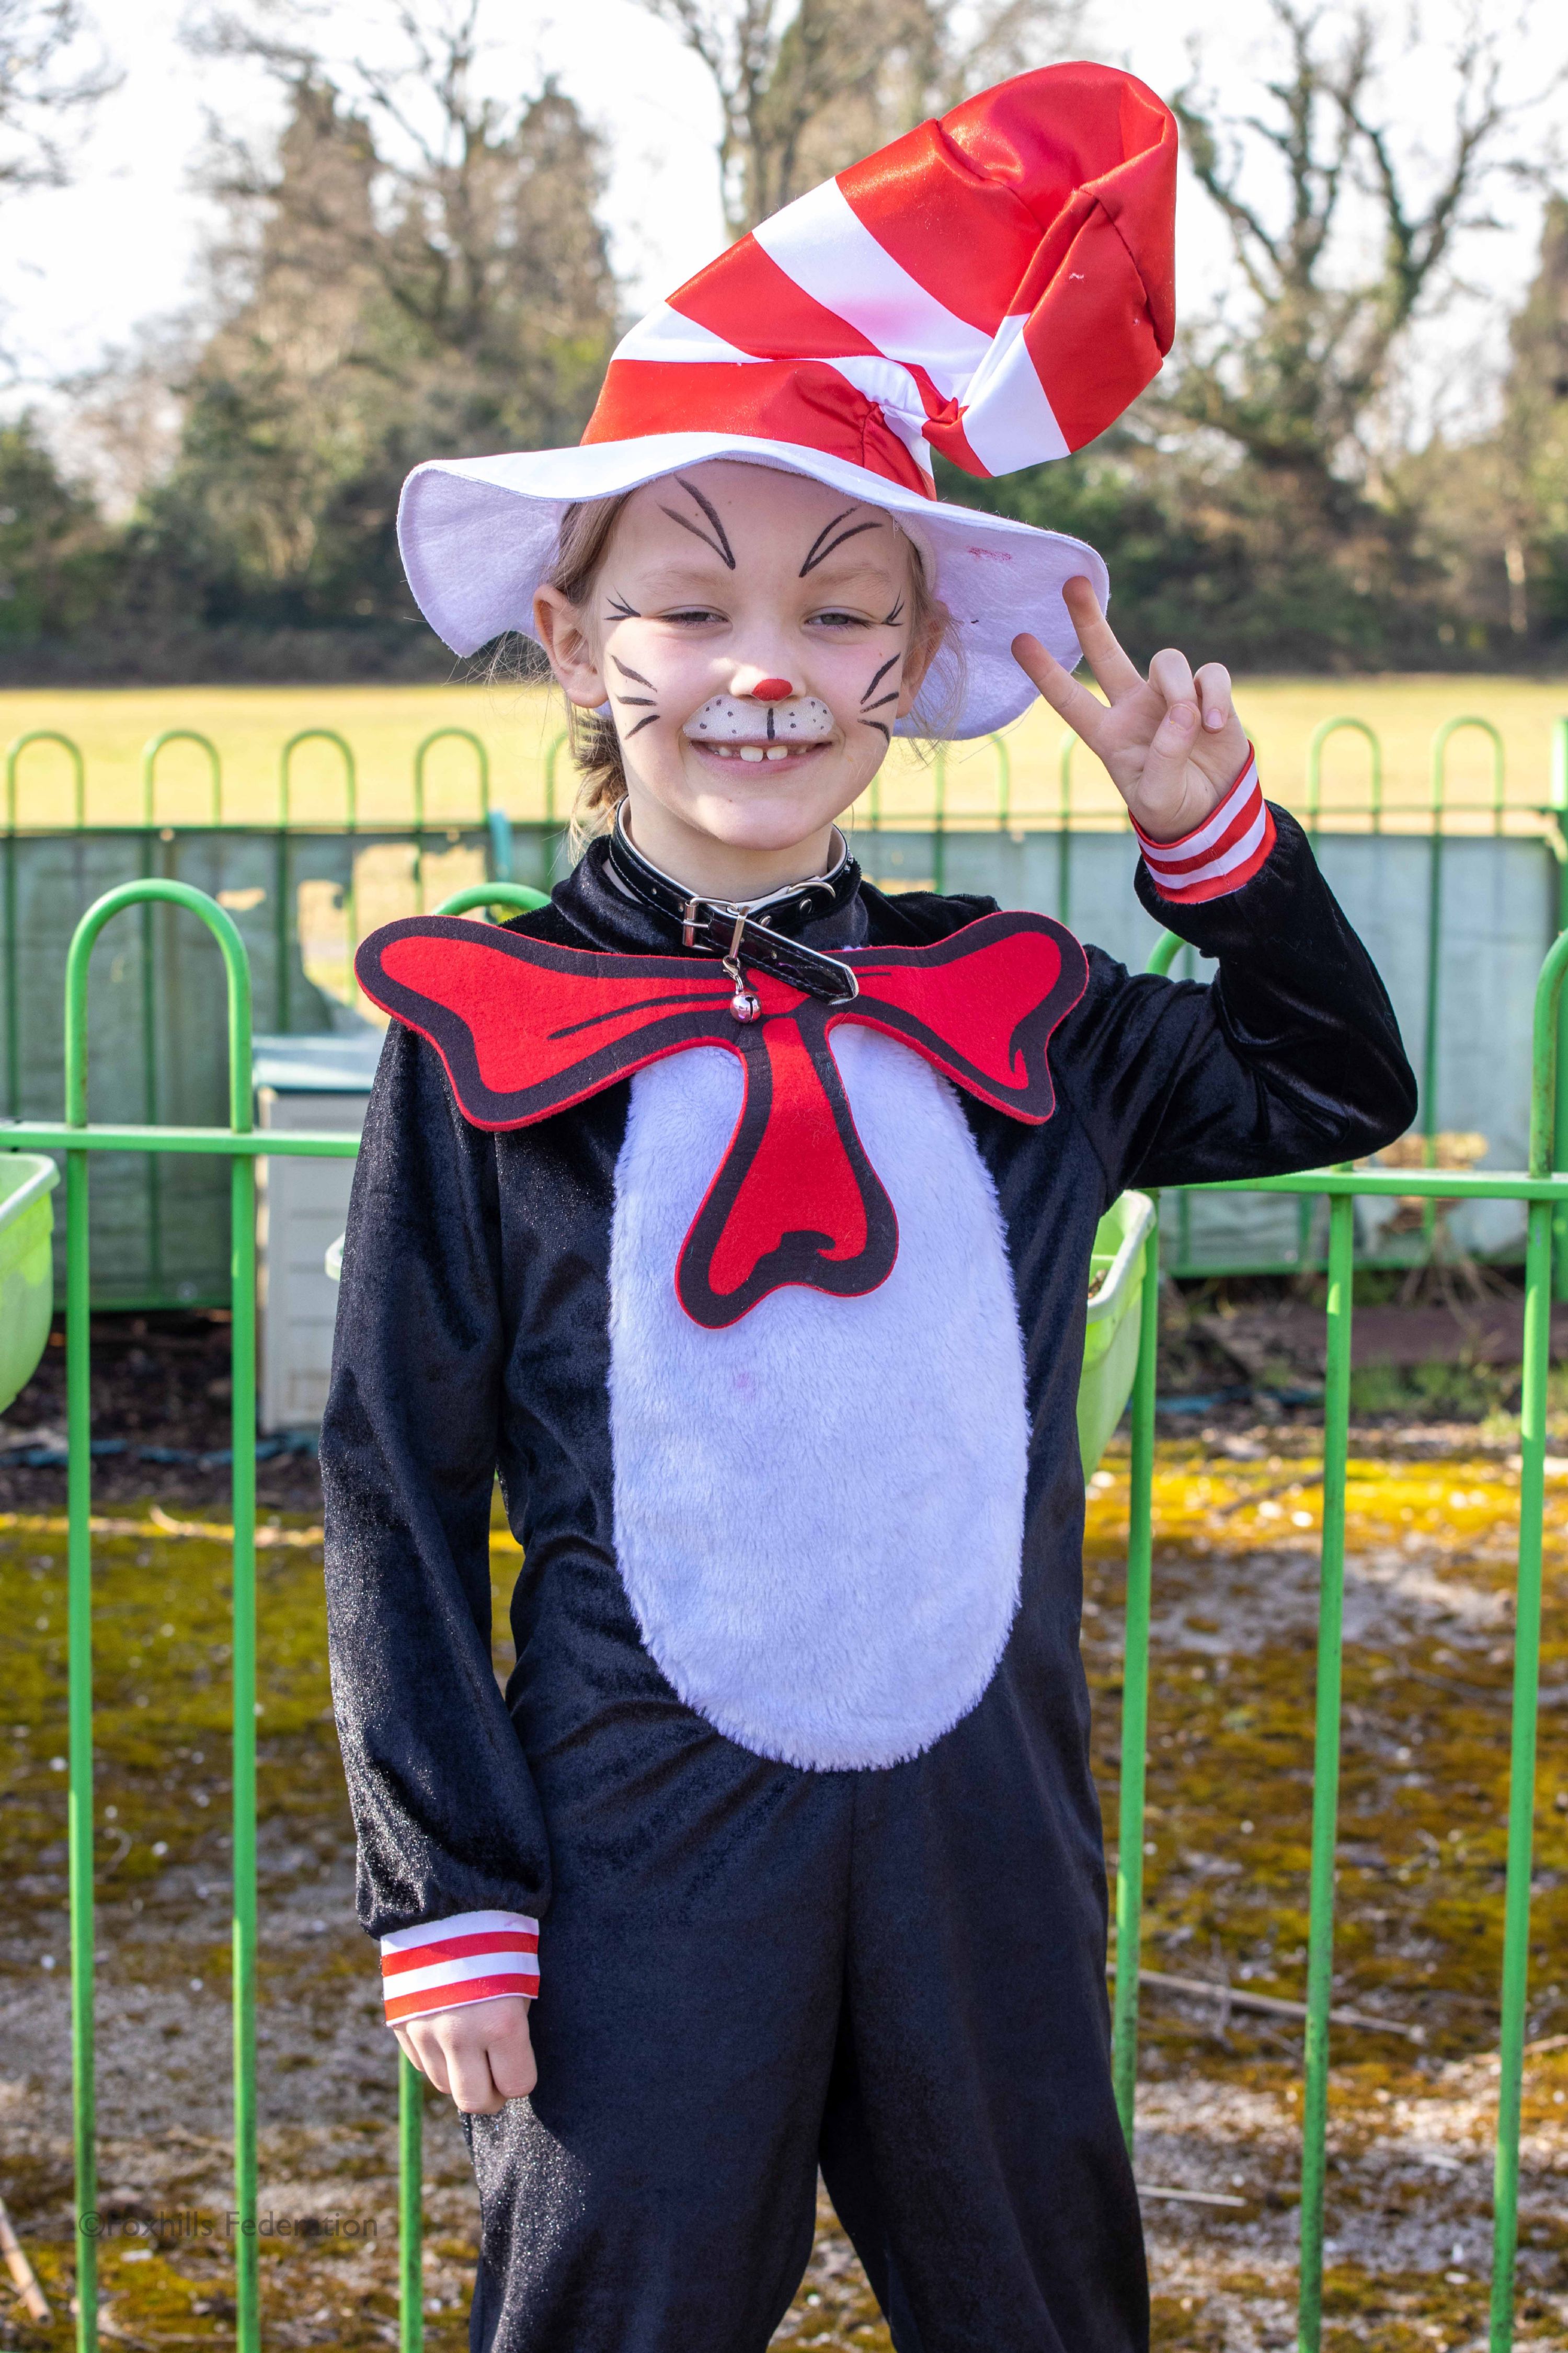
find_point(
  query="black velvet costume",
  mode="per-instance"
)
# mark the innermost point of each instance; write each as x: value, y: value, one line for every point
x: 751, y: 1968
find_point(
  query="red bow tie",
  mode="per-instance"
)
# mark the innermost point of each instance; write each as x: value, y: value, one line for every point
x: 526, y: 1029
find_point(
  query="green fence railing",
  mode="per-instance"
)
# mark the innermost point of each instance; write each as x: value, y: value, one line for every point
x: 1545, y: 1196
x: 1435, y: 812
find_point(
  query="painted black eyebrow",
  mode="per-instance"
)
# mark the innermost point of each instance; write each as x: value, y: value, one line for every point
x: 618, y: 604
x: 881, y: 674
x: 637, y: 674
x: 720, y: 542
x: 640, y: 725
x: 816, y: 554
x: 896, y: 615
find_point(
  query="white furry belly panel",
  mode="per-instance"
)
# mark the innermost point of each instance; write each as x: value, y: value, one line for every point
x: 819, y: 1510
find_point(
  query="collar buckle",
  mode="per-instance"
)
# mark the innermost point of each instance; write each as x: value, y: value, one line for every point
x: 743, y: 933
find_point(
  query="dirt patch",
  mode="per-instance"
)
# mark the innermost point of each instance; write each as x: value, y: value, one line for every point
x: 162, y: 1399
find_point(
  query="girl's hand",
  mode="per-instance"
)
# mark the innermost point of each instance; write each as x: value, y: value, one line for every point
x: 1171, y: 742
x: 479, y: 2053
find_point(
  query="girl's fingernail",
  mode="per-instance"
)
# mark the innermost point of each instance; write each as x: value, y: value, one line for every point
x: 1185, y: 715
x: 1214, y: 719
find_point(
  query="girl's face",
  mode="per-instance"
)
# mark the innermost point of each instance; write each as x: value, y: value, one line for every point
x: 751, y: 632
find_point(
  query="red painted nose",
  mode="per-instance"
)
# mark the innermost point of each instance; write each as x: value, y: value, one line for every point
x: 772, y: 690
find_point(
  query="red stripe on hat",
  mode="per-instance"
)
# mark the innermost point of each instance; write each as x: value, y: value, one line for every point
x: 1069, y: 139
x: 1092, y: 337
x: 803, y: 401
x: 749, y: 301
x: 964, y: 237
x: 454, y: 1996
x: 947, y: 435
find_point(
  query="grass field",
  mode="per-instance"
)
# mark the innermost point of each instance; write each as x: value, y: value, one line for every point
x: 250, y: 725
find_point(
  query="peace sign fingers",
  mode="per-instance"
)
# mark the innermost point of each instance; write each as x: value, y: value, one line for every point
x: 1170, y: 742
x: 1115, y: 671
x: 1084, y: 715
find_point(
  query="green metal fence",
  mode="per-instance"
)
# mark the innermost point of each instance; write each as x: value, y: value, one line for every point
x: 168, y: 1234
x: 240, y: 1144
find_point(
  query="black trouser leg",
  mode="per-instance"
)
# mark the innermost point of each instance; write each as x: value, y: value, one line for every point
x: 849, y: 2168
x: 657, y: 2193
x: 972, y: 2144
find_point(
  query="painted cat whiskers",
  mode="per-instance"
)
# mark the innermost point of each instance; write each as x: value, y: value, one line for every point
x: 818, y: 554
x: 719, y: 539
x: 868, y: 706
x: 635, y: 701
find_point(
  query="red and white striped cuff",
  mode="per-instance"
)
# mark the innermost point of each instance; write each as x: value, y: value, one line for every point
x: 472, y: 1957
x: 1218, y: 856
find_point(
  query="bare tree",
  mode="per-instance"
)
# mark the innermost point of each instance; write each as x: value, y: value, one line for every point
x: 1533, y: 443
x: 473, y: 221
x: 1294, y: 384
x: 411, y: 268
x: 49, y: 80
x: 802, y: 95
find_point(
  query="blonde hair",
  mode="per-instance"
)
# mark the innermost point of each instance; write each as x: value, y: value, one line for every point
x: 585, y: 532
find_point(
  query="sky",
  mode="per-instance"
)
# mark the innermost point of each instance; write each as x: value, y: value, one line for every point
x: 81, y: 267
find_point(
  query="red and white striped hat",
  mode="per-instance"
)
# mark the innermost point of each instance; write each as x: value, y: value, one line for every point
x: 997, y: 285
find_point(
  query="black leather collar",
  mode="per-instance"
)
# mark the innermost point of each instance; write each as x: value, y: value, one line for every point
x: 754, y: 932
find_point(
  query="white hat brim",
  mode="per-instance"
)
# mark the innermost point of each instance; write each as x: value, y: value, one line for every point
x: 477, y: 536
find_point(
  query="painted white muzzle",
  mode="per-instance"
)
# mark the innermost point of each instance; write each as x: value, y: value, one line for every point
x: 725, y: 720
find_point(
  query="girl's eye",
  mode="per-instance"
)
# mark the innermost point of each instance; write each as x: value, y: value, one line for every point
x: 692, y: 613
x: 831, y: 620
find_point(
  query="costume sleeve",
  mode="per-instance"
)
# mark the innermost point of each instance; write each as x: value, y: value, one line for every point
x: 453, y: 1865
x: 1289, y: 1058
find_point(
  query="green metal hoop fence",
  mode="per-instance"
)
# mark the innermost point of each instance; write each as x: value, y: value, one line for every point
x: 1321, y: 735
x: 1544, y: 1194
x: 151, y: 753
x: 481, y: 761
x: 72, y: 751
x: 349, y: 765
x: 1004, y: 815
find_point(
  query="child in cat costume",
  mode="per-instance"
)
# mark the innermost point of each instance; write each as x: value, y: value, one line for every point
x: 741, y: 1215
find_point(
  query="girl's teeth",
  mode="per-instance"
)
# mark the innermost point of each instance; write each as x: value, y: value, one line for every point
x: 760, y: 751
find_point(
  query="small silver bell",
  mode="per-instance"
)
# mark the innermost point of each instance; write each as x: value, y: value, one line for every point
x: 744, y: 1003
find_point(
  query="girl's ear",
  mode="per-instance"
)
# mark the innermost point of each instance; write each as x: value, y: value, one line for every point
x: 559, y: 626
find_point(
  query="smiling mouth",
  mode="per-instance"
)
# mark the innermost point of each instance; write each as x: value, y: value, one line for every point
x: 755, y: 752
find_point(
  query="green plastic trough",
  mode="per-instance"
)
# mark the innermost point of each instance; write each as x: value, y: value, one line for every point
x: 26, y: 1272
x: 1110, y: 1341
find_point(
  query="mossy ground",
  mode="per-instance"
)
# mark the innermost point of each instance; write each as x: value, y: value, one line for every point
x: 1427, y: 1671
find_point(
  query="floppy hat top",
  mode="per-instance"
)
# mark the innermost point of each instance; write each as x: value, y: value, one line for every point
x: 997, y: 285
